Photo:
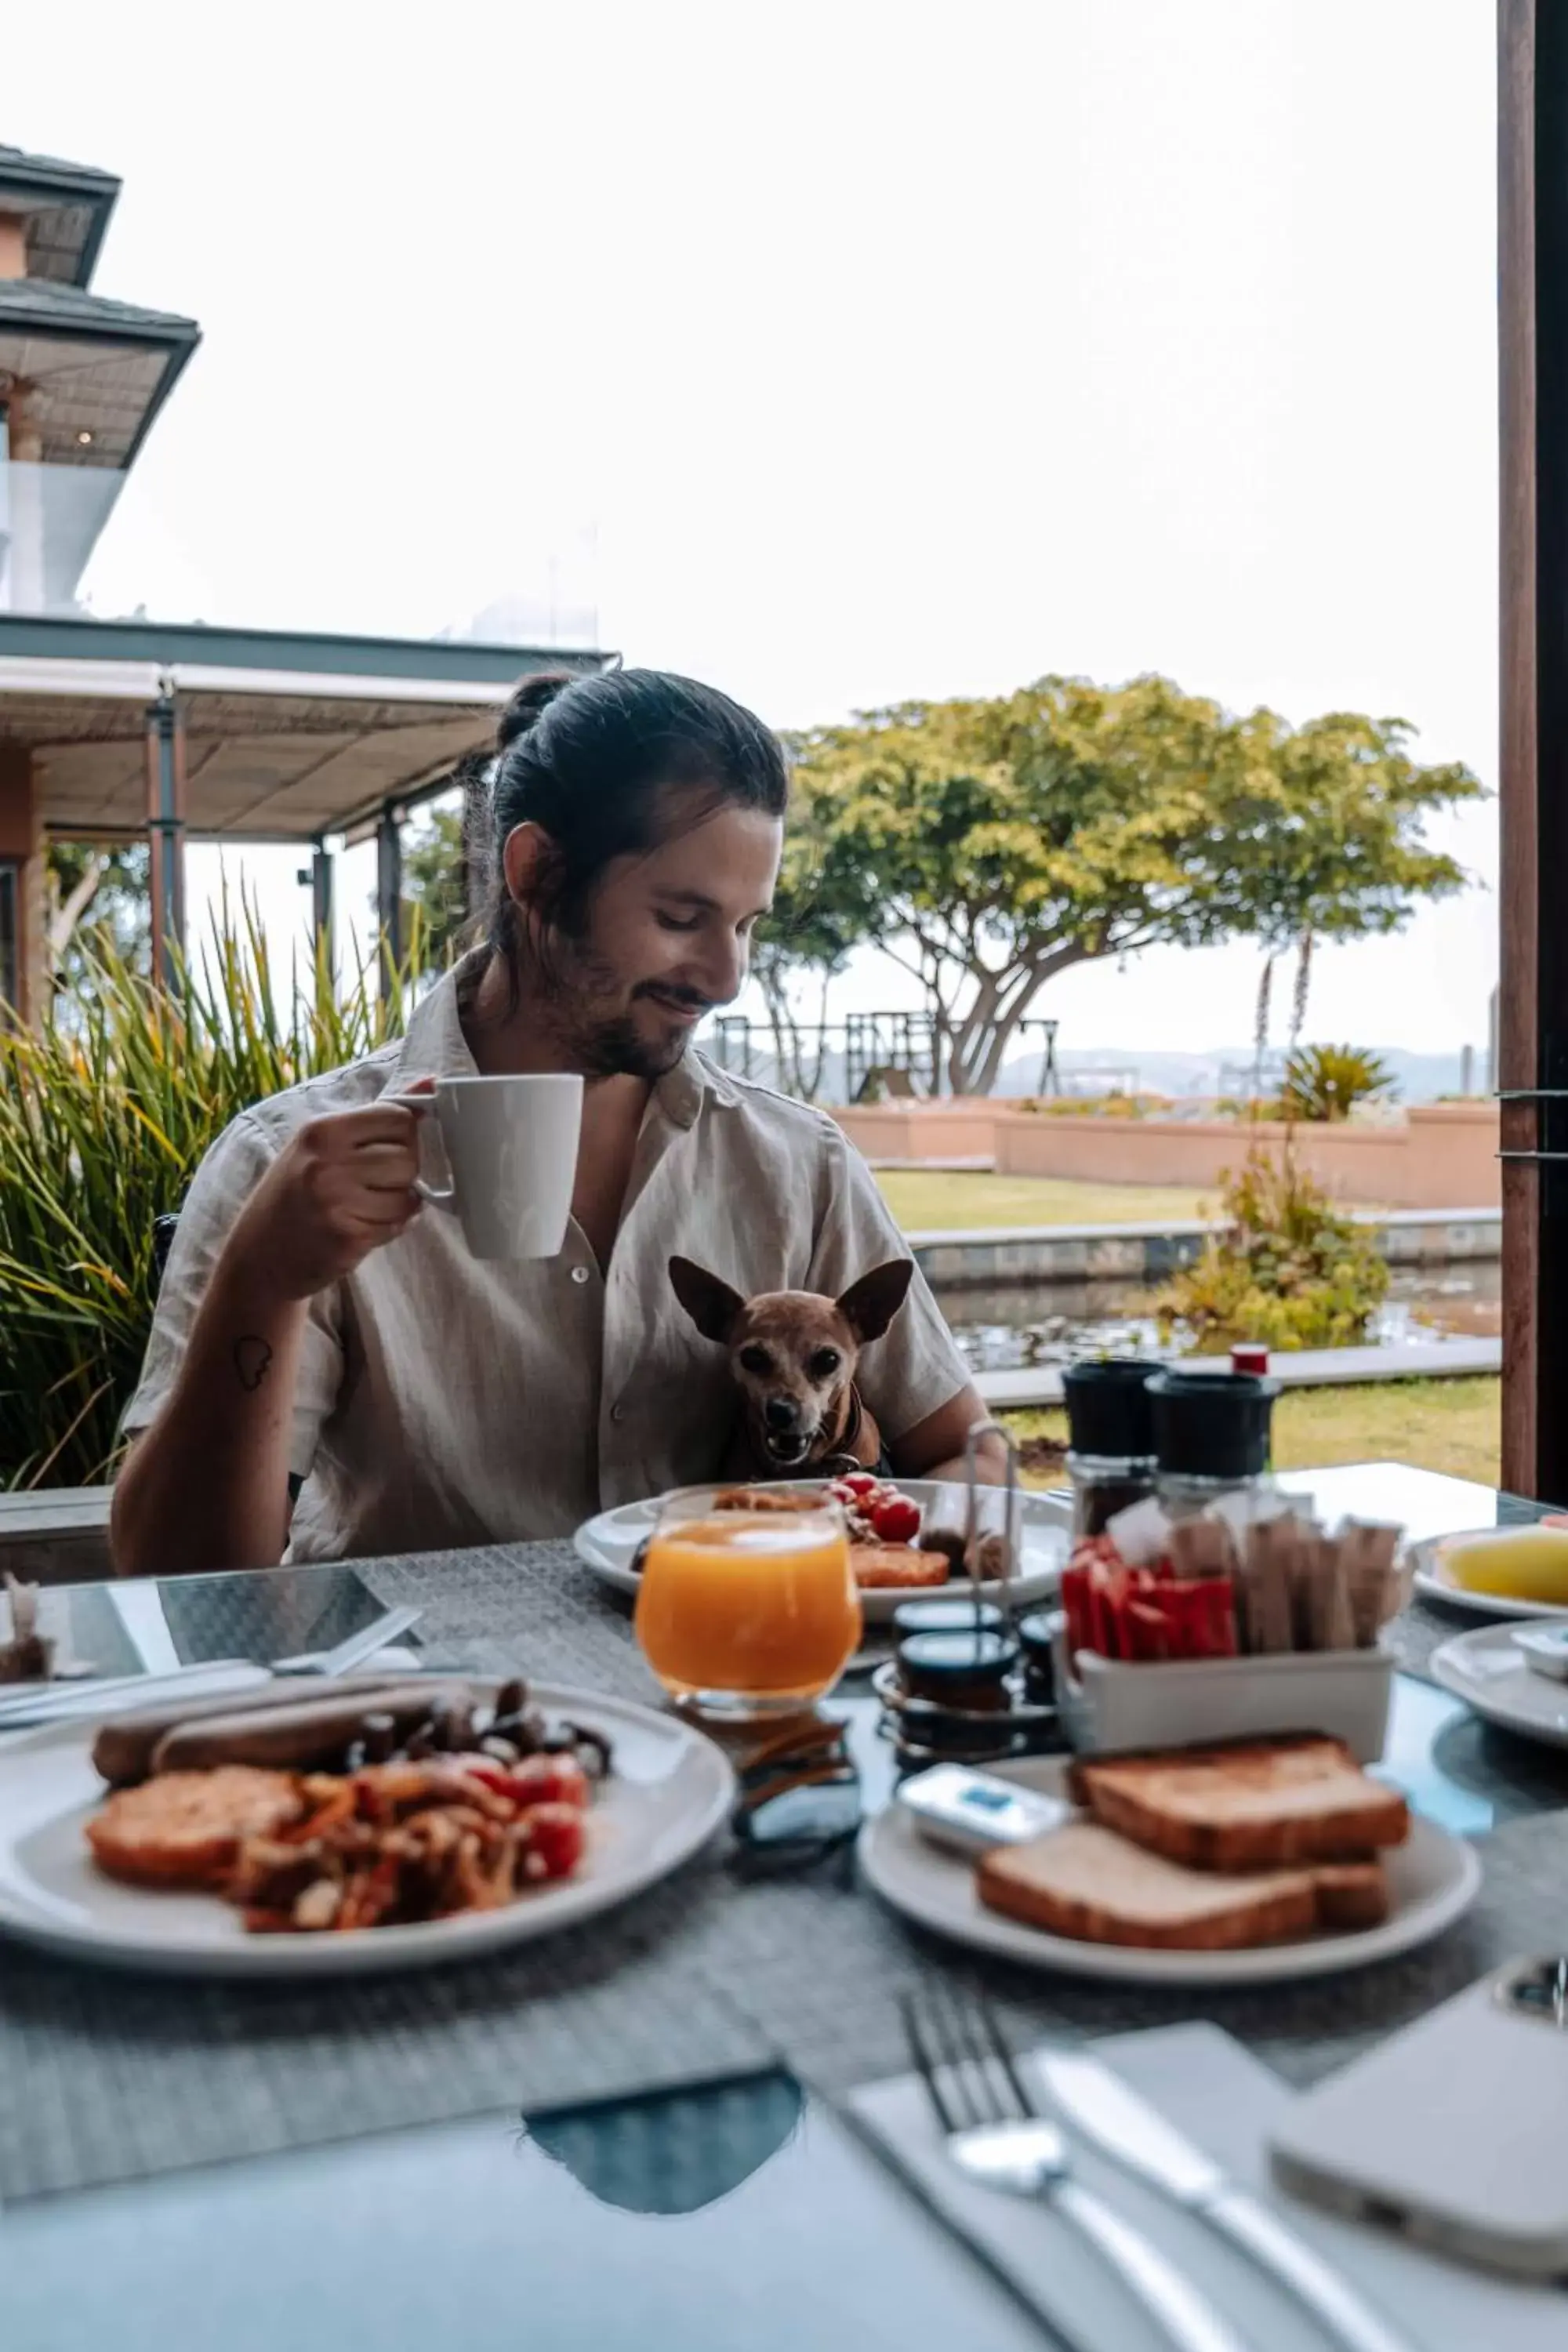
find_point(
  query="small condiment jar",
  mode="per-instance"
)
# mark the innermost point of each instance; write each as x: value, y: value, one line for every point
x: 965, y: 1670
x: 1110, y: 1433
x: 1246, y: 1356
x: 1034, y: 1641
x: 952, y: 1614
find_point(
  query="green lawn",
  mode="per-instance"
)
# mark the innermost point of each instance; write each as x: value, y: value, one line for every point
x: 1449, y: 1425
x: 934, y: 1200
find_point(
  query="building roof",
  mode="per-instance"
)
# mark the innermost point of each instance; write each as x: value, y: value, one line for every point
x: 288, y: 737
x: 65, y: 207
x: 98, y: 368
x: 72, y: 309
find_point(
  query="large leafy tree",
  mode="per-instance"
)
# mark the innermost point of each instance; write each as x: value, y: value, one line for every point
x: 87, y: 884
x: 1002, y: 842
x: 823, y: 907
x: 434, y: 885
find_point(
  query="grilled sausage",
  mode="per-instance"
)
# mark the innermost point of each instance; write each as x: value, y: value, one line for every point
x: 123, y: 1752
x: 311, y: 1736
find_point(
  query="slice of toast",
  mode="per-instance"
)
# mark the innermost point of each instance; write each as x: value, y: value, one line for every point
x: 1086, y: 1883
x: 1258, y: 1804
x: 1350, y: 1894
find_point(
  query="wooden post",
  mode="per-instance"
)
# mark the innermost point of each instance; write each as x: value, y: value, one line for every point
x: 165, y: 755
x: 1532, y: 1025
x: 24, y: 890
x: 323, y: 932
x: 389, y: 896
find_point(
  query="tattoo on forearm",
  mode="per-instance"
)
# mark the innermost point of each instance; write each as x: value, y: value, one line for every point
x: 251, y: 1358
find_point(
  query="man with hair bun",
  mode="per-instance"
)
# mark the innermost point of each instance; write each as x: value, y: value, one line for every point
x: 331, y: 1374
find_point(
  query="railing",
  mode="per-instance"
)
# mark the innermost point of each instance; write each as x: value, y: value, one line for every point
x: 848, y: 1061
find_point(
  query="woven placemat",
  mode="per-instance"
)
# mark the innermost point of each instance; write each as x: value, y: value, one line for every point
x: 1419, y: 1630
x: 108, y: 2078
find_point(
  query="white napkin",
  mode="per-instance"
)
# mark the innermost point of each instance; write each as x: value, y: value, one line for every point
x: 1226, y: 2100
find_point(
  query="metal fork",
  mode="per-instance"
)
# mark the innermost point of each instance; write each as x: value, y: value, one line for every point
x: 994, y: 2132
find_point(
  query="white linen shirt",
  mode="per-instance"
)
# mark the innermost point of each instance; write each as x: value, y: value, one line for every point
x: 444, y: 1399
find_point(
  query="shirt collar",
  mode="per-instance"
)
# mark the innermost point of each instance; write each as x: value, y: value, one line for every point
x: 434, y: 1045
x: 682, y: 1092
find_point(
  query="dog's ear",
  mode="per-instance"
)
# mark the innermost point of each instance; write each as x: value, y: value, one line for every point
x: 869, y: 1305
x: 711, y: 1304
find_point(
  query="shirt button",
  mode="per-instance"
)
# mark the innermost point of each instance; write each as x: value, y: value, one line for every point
x: 579, y: 1274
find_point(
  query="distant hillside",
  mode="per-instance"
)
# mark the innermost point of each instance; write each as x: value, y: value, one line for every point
x: 1420, y: 1078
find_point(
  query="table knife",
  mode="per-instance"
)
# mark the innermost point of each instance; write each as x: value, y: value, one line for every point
x: 123, y: 1694
x: 1122, y: 2124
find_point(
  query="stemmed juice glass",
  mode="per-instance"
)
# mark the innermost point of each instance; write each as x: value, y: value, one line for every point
x: 747, y: 1614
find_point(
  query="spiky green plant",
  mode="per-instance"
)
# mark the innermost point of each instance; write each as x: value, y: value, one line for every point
x: 1324, y: 1083
x: 105, y: 1113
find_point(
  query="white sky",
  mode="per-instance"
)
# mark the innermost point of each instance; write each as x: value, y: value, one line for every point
x: 881, y: 350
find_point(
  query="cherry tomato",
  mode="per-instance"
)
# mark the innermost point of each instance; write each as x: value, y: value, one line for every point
x: 556, y: 1837
x: 897, y: 1520
x: 860, y: 1482
x: 533, y: 1780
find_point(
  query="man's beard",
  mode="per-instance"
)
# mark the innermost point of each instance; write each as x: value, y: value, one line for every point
x: 571, y: 980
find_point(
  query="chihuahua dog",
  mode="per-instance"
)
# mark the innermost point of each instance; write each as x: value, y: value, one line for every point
x: 793, y: 1354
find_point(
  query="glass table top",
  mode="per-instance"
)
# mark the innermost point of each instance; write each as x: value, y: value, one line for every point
x: 741, y: 2216
x: 151, y: 1626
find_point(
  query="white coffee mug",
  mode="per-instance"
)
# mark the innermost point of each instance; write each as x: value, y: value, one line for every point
x: 512, y: 1149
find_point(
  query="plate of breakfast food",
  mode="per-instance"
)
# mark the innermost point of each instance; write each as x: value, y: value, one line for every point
x: 1247, y: 1863
x: 1497, y: 1571
x: 905, y: 1536
x: 1514, y: 1676
x: 270, y: 1835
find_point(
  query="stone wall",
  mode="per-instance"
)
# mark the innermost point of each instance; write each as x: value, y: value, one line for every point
x: 1441, y: 1156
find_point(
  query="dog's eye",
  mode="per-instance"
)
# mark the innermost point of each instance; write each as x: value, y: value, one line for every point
x: 824, y: 1364
x: 756, y: 1359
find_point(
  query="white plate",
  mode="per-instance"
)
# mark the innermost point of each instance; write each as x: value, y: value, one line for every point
x: 1430, y: 1578
x: 1488, y: 1673
x: 608, y: 1543
x: 1432, y: 1879
x: 668, y: 1792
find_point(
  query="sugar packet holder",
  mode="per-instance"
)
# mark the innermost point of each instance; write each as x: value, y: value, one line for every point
x: 1109, y: 1706
x: 1309, y: 1608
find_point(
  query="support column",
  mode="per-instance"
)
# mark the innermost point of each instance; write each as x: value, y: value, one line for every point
x: 1533, y: 1027
x: 389, y: 896
x: 23, y: 852
x: 166, y: 836
x: 324, y: 934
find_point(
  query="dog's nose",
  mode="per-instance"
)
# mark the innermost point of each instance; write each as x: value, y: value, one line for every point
x: 782, y: 1412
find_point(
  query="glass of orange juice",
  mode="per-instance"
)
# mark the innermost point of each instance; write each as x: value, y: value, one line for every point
x: 746, y: 1614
